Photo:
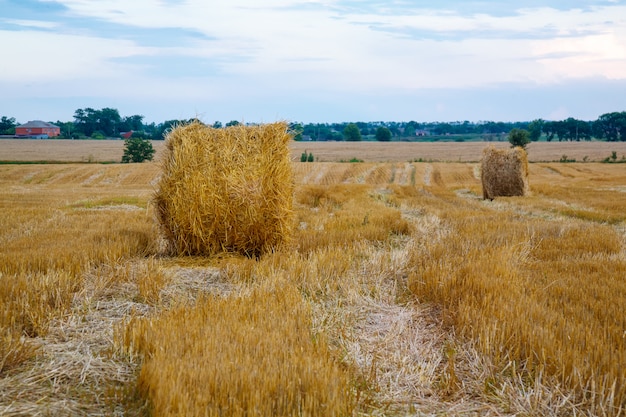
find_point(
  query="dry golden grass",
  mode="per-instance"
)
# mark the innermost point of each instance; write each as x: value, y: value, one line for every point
x: 403, y: 294
x: 249, y: 353
x: 112, y: 150
x: 57, y: 228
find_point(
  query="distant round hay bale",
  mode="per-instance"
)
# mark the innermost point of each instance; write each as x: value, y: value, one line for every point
x: 226, y: 190
x: 504, y: 172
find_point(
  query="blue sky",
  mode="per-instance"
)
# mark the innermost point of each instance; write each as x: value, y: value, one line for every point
x: 313, y: 60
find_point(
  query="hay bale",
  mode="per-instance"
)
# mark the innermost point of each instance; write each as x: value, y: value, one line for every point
x: 504, y: 172
x: 226, y: 190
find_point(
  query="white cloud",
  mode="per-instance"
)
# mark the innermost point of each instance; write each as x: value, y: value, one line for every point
x: 40, y: 24
x: 279, y: 38
x: 589, y: 56
x: 308, y: 48
x: 42, y: 57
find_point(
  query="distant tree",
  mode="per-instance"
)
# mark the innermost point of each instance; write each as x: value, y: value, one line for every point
x: 611, y: 126
x: 519, y: 137
x: 107, y: 121
x: 137, y: 150
x: 576, y: 130
x: 364, y: 128
x: 68, y: 131
x: 131, y: 123
x: 394, y: 129
x: 317, y: 131
x: 296, y: 130
x: 233, y: 123
x: 412, y: 124
x: 569, y: 129
x: 351, y: 133
x: 443, y: 129
x: 164, y: 128
x: 7, y: 125
x: 217, y: 124
x: 495, y: 127
x: 555, y: 128
x: 383, y: 134
x: 534, y: 129
x: 409, y: 131
x: 85, y: 121
x: 151, y: 130
x: 140, y: 135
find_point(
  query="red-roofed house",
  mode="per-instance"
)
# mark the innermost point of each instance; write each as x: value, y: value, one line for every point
x: 37, y: 129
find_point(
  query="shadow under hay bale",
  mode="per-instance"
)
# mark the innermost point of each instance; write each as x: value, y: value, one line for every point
x: 226, y: 190
x: 504, y: 172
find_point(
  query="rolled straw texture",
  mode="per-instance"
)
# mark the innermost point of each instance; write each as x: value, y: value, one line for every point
x: 504, y: 172
x: 226, y: 190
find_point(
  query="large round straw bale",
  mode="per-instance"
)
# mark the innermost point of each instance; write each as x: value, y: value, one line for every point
x: 504, y: 172
x: 226, y: 190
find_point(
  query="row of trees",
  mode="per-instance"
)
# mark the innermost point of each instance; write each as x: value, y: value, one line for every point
x: 107, y: 122
x: 610, y: 127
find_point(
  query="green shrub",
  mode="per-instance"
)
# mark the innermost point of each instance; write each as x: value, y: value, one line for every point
x: 307, y: 157
x: 137, y: 150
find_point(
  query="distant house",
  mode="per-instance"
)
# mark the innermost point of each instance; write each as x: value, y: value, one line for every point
x: 37, y: 129
x: 126, y: 135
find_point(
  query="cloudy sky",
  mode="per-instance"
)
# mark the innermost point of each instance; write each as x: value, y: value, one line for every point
x: 314, y: 60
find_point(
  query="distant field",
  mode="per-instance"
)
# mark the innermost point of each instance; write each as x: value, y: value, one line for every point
x: 112, y: 150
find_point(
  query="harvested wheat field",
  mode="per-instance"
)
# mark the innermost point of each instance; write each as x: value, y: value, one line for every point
x: 402, y: 293
x: 65, y: 150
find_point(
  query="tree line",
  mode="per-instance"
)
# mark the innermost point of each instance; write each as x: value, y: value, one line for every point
x: 89, y: 123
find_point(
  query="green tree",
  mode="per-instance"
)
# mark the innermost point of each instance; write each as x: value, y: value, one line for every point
x: 534, y: 129
x: 351, y: 133
x: 137, y: 150
x: 555, y: 128
x: 611, y: 126
x: 164, y: 128
x: 131, y: 123
x: 576, y: 130
x: 444, y: 129
x: 68, y: 130
x: 109, y: 121
x: 85, y: 121
x: 519, y: 137
x: 88, y: 120
x: 7, y: 125
x: 233, y: 123
x: 296, y: 130
x: 569, y: 129
x: 383, y: 134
